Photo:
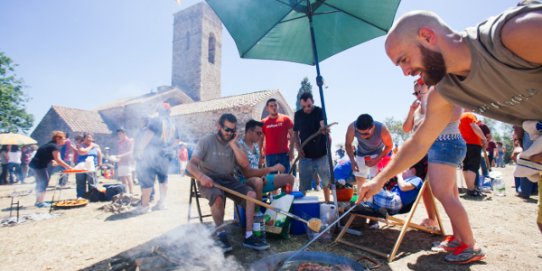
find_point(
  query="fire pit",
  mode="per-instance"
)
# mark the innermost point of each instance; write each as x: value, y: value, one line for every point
x: 307, y: 260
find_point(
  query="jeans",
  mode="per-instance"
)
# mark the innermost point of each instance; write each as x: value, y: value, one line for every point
x: 281, y: 158
x: 14, y: 170
x: 82, y: 181
x: 308, y: 167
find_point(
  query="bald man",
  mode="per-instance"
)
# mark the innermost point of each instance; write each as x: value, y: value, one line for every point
x: 493, y: 69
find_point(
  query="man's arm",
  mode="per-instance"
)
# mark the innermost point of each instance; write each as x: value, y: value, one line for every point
x: 438, y: 115
x: 388, y: 145
x: 522, y: 36
x: 291, y: 146
x: 403, y: 185
x: 478, y: 131
x: 408, y: 124
x: 240, y: 155
x: 56, y: 157
x: 349, y: 138
x: 193, y: 169
x: 260, y: 172
x: 297, y: 143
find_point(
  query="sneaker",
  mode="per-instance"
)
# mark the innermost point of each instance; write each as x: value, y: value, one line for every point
x: 140, y: 210
x: 159, y: 206
x: 224, y: 242
x: 475, y: 193
x: 448, y: 244
x: 256, y: 243
x: 42, y: 204
x: 373, y: 225
x: 464, y: 254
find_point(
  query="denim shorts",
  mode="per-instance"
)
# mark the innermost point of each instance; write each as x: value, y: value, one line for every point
x: 448, y: 151
x: 308, y: 167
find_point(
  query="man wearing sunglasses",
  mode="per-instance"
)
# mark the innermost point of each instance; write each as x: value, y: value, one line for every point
x: 214, y: 161
x: 262, y: 180
x: 374, y: 142
x: 308, y: 121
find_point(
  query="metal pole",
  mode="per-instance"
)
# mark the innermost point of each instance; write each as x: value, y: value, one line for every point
x: 320, y: 83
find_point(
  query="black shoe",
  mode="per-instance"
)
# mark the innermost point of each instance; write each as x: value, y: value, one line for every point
x: 224, y: 242
x: 256, y: 243
x: 474, y: 193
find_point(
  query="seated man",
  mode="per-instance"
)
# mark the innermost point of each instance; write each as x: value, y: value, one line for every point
x: 214, y: 161
x: 262, y: 180
x: 402, y: 194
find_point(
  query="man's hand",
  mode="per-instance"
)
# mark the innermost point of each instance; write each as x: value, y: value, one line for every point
x: 206, y: 181
x: 234, y: 140
x: 368, y: 190
x: 415, y: 104
x: 355, y: 166
x: 278, y: 167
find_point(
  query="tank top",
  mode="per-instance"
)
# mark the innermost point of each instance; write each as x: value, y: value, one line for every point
x: 371, y: 145
x: 500, y: 85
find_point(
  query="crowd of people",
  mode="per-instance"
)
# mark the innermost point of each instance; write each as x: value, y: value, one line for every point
x: 446, y: 133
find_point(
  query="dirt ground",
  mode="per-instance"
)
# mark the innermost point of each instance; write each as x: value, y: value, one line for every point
x: 88, y: 238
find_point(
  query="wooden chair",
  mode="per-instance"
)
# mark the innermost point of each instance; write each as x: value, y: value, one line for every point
x: 391, y: 220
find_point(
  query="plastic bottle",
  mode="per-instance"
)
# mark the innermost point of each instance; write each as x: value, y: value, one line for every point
x: 259, y: 226
x: 499, y: 187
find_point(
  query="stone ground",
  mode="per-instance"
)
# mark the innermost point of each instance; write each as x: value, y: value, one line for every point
x: 89, y: 238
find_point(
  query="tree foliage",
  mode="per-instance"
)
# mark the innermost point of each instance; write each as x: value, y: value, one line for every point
x: 305, y: 87
x: 13, y: 116
x: 396, y: 130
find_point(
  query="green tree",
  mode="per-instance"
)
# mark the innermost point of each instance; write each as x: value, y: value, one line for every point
x: 13, y: 116
x: 305, y: 87
x: 396, y: 130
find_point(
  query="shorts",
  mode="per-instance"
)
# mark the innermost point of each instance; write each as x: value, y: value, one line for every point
x: 42, y: 179
x: 211, y: 193
x: 282, y: 158
x: 149, y: 170
x: 124, y: 171
x: 473, y: 158
x: 365, y: 171
x: 449, y: 151
x: 269, y: 183
x: 308, y: 167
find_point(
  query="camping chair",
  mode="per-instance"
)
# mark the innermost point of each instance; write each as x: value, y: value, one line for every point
x: 383, y: 216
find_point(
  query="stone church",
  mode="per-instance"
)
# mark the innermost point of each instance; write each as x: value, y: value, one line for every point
x: 195, y: 92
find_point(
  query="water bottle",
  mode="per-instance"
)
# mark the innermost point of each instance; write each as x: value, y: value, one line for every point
x: 259, y: 226
x: 499, y: 187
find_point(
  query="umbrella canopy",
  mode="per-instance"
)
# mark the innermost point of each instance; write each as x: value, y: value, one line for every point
x: 280, y: 29
x: 16, y: 139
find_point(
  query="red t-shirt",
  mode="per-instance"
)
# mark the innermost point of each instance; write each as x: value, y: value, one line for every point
x: 276, y: 134
x: 466, y: 130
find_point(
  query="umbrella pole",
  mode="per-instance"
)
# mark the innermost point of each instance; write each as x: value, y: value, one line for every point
x: 320, y: 83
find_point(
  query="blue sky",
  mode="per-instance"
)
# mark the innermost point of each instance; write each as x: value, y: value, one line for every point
x: 83, y: 54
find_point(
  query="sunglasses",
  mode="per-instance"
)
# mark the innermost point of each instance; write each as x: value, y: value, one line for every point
x: 229, y: 130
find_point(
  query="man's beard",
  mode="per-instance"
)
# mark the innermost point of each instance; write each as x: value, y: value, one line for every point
x: 434, y: 66
x: 224, y: 138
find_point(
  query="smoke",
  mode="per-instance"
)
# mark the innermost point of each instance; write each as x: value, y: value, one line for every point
x: 192, y: 247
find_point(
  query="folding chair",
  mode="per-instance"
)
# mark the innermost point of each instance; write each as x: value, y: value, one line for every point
x: 384, y: 217
x: 195, y: 194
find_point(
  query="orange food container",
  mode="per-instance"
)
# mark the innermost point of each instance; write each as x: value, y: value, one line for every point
x: 345, y: 194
